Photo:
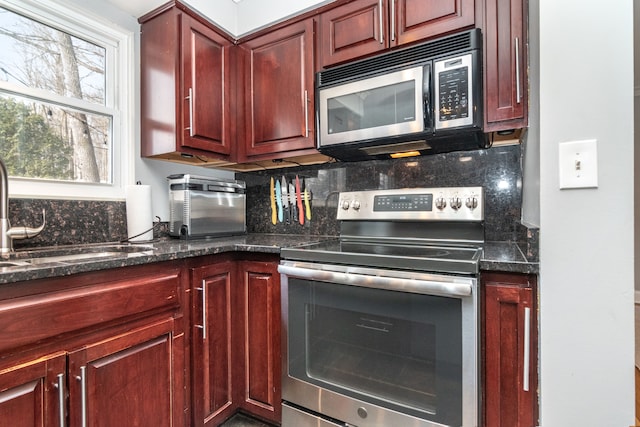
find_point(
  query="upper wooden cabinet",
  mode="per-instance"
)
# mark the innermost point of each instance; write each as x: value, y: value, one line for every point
x: 186, y: 87
x: 366, y: 27
x: 506, y: 84
x: 278, y: 93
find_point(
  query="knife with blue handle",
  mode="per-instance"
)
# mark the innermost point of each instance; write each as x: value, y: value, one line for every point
x: 279, y: 200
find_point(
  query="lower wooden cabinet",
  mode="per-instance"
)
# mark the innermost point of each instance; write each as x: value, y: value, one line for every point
x: 211, y: 344
x: 100, y: 349
x: 509, y: 341
x: 235, y: 346
x: 32, y: 393
x: 260, y: 349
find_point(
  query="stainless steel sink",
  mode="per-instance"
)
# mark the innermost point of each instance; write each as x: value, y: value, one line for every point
x: 6, y: 264
x: 75, y: 254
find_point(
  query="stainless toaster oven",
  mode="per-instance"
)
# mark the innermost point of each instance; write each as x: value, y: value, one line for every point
x: 206, y: 207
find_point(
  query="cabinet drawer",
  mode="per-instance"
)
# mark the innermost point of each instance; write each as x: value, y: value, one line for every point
x: 31, y: 319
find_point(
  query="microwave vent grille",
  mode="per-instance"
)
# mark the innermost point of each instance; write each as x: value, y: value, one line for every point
x: 403, y: 57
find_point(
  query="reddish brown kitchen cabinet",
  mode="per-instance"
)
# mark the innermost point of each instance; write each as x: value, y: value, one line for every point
x: 278, y: 93
x: 235, y: 338
x: 506, y: 87
x: 30, y: 392
x: 365, y: 27
x: 125, y: 380
x: 213, y: 353
x: 261, y: 339
x: 509, y: 344
x: 186, y: 86
x: 107, y: 347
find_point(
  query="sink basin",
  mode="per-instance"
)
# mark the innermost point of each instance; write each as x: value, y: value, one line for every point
x: 5, y: 264
x: 73, y: 254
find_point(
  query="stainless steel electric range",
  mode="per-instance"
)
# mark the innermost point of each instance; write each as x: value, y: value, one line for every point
x: 381, y: 324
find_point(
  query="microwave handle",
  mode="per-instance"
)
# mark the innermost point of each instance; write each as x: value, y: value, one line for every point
x: 426, y: 83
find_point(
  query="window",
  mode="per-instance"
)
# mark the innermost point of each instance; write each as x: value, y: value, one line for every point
x: 63, y: 101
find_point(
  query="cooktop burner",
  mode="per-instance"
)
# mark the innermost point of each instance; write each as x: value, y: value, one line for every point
x: 438, y: 230
x: 455, y: 260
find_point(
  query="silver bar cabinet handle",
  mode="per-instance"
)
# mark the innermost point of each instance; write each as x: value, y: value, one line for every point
x: 527, y: 348
x: 306, y: 113
x: 190, y: 98
x: 380, y: 21
x: 518, y: 90
x: 203, y: 289
x: 393, y: 20
x: 83, y: 395
x: 59, y: 384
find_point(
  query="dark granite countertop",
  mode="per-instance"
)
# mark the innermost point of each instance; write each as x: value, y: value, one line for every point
x: 498, y: 256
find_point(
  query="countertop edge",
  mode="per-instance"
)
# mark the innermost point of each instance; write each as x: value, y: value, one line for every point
x: 498, y: 256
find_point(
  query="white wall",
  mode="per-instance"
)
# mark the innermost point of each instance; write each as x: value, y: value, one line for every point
x: 253, y: 14
x: 531, y: 144
x: 586, y: 280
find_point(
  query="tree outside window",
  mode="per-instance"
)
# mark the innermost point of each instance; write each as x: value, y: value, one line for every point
x: 55, y: 121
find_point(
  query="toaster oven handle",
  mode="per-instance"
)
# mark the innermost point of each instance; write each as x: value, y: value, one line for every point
x: 425, y: 287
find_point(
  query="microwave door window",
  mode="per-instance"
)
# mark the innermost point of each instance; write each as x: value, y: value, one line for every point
x: 382, y: 106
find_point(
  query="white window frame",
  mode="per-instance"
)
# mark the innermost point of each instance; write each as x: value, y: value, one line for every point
x: 119, y: 99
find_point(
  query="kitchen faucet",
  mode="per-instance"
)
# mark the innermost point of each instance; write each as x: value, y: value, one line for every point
x: 8, y: 233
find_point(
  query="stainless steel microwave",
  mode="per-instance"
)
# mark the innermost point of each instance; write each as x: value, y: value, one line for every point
x: 422, y: 99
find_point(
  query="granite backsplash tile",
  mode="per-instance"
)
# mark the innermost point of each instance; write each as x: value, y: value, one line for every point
x: 69, y: 221
x: 497, y: 169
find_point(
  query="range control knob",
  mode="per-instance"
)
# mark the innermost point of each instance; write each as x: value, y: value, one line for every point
x: 441, y: 203
x: 456, y: 203
x: 471, y: 202
x: 355, y: 205
x: 345, y: 205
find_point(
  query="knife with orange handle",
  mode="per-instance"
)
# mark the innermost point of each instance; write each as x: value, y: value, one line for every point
x: 299, y: 201
x: 272, y: 197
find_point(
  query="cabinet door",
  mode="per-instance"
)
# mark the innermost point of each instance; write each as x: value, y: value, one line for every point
x: 505, y: 56
x: 126, y: 380
x: 206, y: 93
x: 510, y: 371
x: 212, y: 343
x: 353, y: 30
x: 414, y: 20
x: 32, y: 394
x: 185, y: 87
x: 279, y: 92
x: 366, y: 27
x: 261, y: 343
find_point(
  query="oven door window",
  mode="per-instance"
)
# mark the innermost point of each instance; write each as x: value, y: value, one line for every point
x: 398, y: 350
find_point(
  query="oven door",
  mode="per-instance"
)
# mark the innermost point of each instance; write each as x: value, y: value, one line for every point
x: 371, y: 347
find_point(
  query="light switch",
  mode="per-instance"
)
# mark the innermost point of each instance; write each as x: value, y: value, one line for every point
x: 578, y: 164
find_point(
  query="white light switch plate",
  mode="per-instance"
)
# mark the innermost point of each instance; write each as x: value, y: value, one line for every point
x: 578, y: 164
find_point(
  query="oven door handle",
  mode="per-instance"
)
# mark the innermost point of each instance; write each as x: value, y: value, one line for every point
x: 416, y: 286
